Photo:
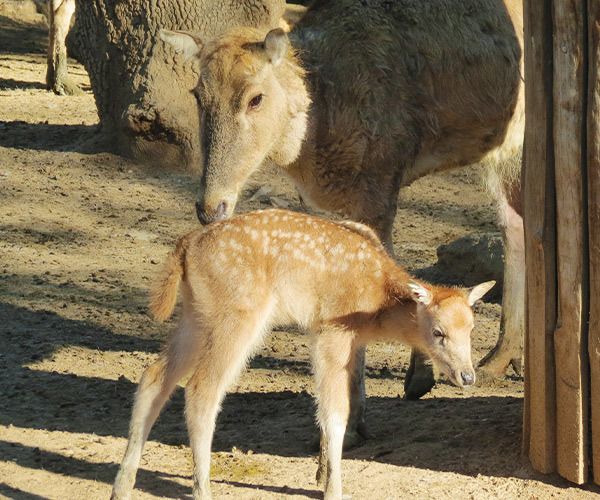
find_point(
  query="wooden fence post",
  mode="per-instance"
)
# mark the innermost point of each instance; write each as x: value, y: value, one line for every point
x: 570, y: 336
x: 593, y: 174
x: 562, y: 236
x: 539, y: 439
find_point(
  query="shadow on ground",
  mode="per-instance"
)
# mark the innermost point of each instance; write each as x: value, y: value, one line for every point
x: 50, y: 137
x: 463, y: 432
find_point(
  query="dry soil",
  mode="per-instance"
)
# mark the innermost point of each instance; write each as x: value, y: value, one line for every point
x: 82, y: 235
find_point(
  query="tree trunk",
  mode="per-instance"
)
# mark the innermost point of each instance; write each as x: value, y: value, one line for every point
x: 142, y: 89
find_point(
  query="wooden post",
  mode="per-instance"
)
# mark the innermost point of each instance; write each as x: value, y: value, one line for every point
x: 539, y: 417
x: 570, y: 337
x: 562, y: 236
x: 593, y: 170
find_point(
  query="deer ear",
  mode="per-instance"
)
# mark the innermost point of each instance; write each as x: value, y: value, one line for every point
x: 185, y: 43
x: 276, y: 44
x: 475, y: 293
x: 420, y: 292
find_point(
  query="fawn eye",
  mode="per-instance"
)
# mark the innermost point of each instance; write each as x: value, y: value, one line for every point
x: 255, y: 102
x: 439, y: 334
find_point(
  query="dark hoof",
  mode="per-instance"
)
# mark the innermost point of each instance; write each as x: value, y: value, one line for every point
x: 420, y: 379
x: 363, y: 430
x: 418, y: 386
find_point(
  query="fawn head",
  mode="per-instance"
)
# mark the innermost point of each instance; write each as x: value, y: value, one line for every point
x: 445, y: 323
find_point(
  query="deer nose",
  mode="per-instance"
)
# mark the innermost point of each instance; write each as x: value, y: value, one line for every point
x: 206, y: 217
x: 221, y: 211
x: 468, y: 377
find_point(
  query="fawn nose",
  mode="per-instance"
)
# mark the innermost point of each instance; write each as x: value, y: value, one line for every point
x: 206, y: 217
x: 468, y: 377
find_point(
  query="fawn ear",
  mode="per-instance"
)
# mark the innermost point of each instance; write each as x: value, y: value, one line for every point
x: 473, y: 294
x: 276, y: 45
x: 185, y: 43
x: 421, y: 293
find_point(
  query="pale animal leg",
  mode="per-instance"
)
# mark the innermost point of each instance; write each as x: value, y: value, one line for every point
x: 334, y: 360
x: 232, y: 343
x: 57, y: 77
x: 509, y: 348
x: 155, y: 387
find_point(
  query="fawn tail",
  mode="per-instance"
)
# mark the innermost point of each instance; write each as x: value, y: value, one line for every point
x: 164, y: 293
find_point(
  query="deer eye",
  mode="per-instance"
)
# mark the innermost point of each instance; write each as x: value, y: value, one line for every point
x: 255, y: 102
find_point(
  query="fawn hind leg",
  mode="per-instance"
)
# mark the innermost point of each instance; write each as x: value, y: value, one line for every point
x: 232, y: 343
x: 155, y: 387
x: 335, y: 356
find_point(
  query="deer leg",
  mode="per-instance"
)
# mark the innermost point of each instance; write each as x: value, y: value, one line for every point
x: 155, y: 387
x: 221, y: 362
x: 57, y: 77
x: 357, y: 430
x: 509, y: 348
x: 420, y: 377
x: 334, y: 358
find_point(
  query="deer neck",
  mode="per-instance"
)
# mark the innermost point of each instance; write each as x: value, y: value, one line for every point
x: 292, y: 78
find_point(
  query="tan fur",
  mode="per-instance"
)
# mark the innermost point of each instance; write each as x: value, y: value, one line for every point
x: 243, y: 276
x: 164, y: 295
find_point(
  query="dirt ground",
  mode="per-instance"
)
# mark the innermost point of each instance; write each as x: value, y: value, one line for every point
x: 82, y: 235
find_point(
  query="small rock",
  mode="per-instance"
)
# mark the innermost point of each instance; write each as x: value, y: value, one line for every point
x: 474, y: 259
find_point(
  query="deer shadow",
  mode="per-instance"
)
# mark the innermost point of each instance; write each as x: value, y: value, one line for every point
x: 85, y: 139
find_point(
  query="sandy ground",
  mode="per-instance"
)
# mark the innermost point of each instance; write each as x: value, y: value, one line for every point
x: 82, y: 235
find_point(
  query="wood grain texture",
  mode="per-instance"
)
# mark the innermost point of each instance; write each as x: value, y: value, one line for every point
x: 570, y: 337
x: 539, y: 417
x: 593, y: 170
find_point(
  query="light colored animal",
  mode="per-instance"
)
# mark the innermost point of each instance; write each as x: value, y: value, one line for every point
x: 60, y: 13
x: 366, y: 98
x: 241, y: 277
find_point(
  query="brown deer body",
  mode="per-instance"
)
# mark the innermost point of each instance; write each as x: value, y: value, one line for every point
x: 361, y: 99
x: 241, y: 277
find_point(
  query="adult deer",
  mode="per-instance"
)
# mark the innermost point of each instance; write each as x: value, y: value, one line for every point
x: 241, y: 277
x: 366, y: 98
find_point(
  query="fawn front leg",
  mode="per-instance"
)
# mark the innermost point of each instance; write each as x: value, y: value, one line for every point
x: 334, y: 359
